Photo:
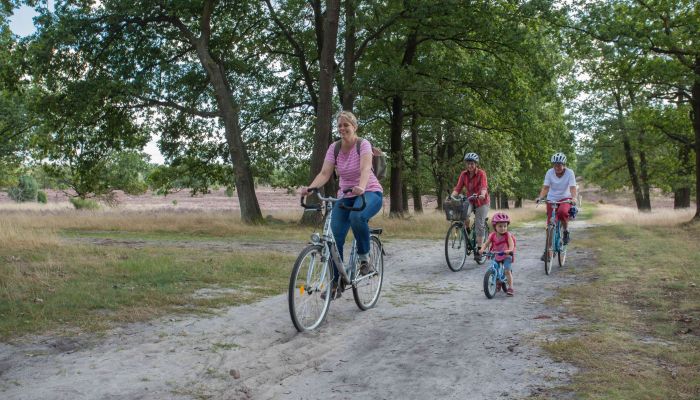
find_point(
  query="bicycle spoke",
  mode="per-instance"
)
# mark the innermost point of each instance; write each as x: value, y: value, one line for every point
x: 366, y: 288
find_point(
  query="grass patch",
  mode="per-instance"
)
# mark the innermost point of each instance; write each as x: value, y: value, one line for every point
x: 640, y: 306
x: 53, y: 287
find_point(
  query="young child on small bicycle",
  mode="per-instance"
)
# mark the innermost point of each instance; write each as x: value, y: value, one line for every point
x: 502, y: 243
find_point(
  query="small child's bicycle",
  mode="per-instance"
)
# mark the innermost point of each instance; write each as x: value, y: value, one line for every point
x: 495, y: 276
x: 460, y: 241
x: 554, y: 243
x: 310, y: 285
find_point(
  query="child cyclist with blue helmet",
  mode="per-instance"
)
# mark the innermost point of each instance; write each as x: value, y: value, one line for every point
x: 502, y: 241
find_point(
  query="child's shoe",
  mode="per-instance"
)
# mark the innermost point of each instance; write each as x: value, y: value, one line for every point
x: 509, y: 292
x: 566, y: 238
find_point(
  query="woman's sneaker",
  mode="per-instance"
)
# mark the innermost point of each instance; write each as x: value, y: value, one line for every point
x: 366, y: 268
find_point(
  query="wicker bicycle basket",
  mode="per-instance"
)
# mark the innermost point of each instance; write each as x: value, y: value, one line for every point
x: 455, y: 210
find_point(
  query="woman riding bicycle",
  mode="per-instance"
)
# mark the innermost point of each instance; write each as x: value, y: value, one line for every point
x: 559, y: 185
x: 355, y: 171
x: 473, y: 181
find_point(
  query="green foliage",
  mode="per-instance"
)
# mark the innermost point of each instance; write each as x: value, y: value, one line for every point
x: 189, y: 173
x: 26, y: 190
x: 84, y: 204
x: 123, y: 170
x: 41, y: 197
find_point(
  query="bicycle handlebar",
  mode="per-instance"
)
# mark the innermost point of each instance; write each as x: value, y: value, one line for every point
x: 332, y: 200
x: 464, y: 198
x: 491, y: 254
x: 554, y: 202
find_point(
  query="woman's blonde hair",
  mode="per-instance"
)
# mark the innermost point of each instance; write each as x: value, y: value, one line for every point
x: 348, y: 116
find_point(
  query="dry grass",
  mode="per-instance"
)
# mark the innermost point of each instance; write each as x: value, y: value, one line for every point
x: 618, y: 215
x: 639, y: 306
x: 431, y: 224
x: 18, y: 236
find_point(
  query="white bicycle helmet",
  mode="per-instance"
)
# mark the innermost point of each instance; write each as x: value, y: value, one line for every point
x: 471, y: 157
x: 559, y: 158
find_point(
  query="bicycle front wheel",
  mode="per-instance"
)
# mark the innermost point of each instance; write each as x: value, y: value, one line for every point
x: 561, y: 255
x: 309, y: 289
x: 456, y: 247
x: 366, y: 288
x: 548, y: 250
x: 490, y: 283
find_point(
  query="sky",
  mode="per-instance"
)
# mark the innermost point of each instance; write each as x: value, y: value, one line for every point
x: 21, y: 24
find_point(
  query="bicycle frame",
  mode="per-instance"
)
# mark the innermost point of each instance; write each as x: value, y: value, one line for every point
x: 498, y: 268
x: 554, y: 237
x: 471, y: 233
x: 556, y: 225
x: 347, y: 272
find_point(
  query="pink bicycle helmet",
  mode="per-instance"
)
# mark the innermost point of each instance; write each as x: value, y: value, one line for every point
x: 500, y: 217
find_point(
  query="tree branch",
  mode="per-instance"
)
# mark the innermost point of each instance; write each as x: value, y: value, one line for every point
x: 148, y: 102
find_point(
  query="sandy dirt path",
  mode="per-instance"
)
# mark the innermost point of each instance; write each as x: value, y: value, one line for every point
x: 433, y: 335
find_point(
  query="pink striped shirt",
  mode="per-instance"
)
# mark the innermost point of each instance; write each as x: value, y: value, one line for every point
x: 348, y: 167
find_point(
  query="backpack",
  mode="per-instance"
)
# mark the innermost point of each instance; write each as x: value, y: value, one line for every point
x: 378, y: 158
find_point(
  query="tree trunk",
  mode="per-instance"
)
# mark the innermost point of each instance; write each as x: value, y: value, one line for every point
x: 503, y: 199
x: 629, y: 156
x: 416, y: 189
x: 681, y: 198
x: 324, y: 112
x: 695, y: 102
x: 229, y: 110
x: 396, y: 157
x: 439, y: 193
x: 404, y: 195
x: 518, y: 202
x: 643, y: 173
x: 347, y: 94
x: 396, y: 201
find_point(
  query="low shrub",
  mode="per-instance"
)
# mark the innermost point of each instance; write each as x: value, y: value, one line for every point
x: 41, y: 197
x: 84, y: 204
x: 26, y: 190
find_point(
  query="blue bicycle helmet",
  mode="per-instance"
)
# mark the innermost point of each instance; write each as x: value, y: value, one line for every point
x: 572, y: 212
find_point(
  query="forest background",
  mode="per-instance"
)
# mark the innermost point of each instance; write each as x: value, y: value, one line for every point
x: 239, y: 94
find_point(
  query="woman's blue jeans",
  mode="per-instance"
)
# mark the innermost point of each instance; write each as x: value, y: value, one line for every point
x: 342, y: 220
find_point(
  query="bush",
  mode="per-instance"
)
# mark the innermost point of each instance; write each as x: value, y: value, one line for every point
x: 84, y: 204
x: 26, y: 190
x: 41, y: 197
x: 229, y: 191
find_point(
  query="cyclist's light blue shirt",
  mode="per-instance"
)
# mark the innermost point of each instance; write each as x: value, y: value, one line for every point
x: 559, y: 188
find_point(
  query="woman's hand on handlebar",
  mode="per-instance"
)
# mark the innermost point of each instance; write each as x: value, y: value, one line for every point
x: 306, y: 190
x: 357, y: 191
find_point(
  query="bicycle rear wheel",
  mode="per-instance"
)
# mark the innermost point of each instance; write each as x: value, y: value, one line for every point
x: 367, y: 287
x: 456, y: 246
x: 310, y: 278
x: 548, y: 250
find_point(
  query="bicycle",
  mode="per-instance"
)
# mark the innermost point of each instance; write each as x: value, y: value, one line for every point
x: 460, y: 242
x: 554, y: 238
x: 311, y: 280
x: 495, y: 274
